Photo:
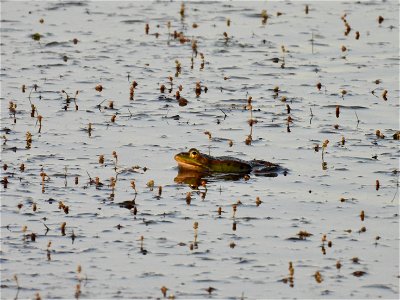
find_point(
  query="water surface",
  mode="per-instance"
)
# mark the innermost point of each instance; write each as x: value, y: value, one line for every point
x: 245, y: 255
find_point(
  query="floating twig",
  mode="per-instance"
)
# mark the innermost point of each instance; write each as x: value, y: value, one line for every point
x: 358, y: 120
x: 225, y: 115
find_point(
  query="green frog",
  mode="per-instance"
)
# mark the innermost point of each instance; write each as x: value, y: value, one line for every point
x: 200, y: 162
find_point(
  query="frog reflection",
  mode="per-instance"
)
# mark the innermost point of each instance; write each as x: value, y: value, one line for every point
x: 196, y: 179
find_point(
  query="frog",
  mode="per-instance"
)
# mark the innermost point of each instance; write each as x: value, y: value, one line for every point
x: 194, y: 160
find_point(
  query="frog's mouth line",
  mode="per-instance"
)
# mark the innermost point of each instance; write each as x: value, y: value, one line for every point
x: 189, y: 166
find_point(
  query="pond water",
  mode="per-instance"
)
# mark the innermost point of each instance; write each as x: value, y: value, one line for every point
x: 326, y: 229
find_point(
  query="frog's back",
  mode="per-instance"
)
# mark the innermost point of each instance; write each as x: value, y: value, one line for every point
x: 227, y: 164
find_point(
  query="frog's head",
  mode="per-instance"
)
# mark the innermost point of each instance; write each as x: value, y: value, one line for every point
x: 192, y: 160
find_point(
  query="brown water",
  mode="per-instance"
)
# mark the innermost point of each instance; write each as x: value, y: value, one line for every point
x: 320, y: 196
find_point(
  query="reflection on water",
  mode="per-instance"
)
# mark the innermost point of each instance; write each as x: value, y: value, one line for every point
x: 195, y: 179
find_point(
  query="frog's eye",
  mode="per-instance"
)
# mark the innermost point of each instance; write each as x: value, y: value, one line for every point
x: 193, y: 153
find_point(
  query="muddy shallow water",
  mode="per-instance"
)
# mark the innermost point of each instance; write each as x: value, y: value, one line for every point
x: 130, y: 245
